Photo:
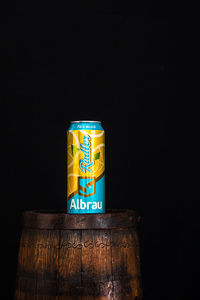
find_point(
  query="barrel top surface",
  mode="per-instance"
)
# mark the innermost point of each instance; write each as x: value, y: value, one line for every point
x: 62, y: 221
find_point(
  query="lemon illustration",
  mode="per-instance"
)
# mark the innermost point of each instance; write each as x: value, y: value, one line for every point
x: 99, y: 160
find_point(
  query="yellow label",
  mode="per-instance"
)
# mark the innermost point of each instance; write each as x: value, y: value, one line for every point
x: 85, y: 157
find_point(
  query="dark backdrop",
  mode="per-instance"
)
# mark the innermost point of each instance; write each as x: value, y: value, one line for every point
x: 121, y: 64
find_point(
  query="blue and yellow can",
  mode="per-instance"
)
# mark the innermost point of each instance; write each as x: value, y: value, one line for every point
x: 85, y: 167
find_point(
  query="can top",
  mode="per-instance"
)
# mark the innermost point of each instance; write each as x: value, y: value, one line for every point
x: 85, y: 121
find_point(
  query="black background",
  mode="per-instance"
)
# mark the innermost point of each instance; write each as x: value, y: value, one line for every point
x: 126, y: 66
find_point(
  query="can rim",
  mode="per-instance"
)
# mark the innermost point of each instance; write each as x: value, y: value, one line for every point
x: 85, y: 121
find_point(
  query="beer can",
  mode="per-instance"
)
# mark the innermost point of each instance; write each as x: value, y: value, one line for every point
x: 85, y: 167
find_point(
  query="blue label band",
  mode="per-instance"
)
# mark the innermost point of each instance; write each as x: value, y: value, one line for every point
x: 85, y: 126
x: 90, y: 197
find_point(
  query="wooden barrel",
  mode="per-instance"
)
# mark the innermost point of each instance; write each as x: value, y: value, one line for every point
x: 79, y: 257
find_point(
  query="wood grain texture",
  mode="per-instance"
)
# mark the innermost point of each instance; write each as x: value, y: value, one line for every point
x: 82, y: 264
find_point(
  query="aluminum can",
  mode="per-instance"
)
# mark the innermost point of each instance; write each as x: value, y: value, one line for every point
x: 85, y: 167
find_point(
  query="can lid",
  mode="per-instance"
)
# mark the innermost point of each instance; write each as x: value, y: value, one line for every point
x: 85, y: 121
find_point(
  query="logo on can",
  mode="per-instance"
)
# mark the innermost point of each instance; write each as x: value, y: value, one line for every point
x: 86, y: 167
